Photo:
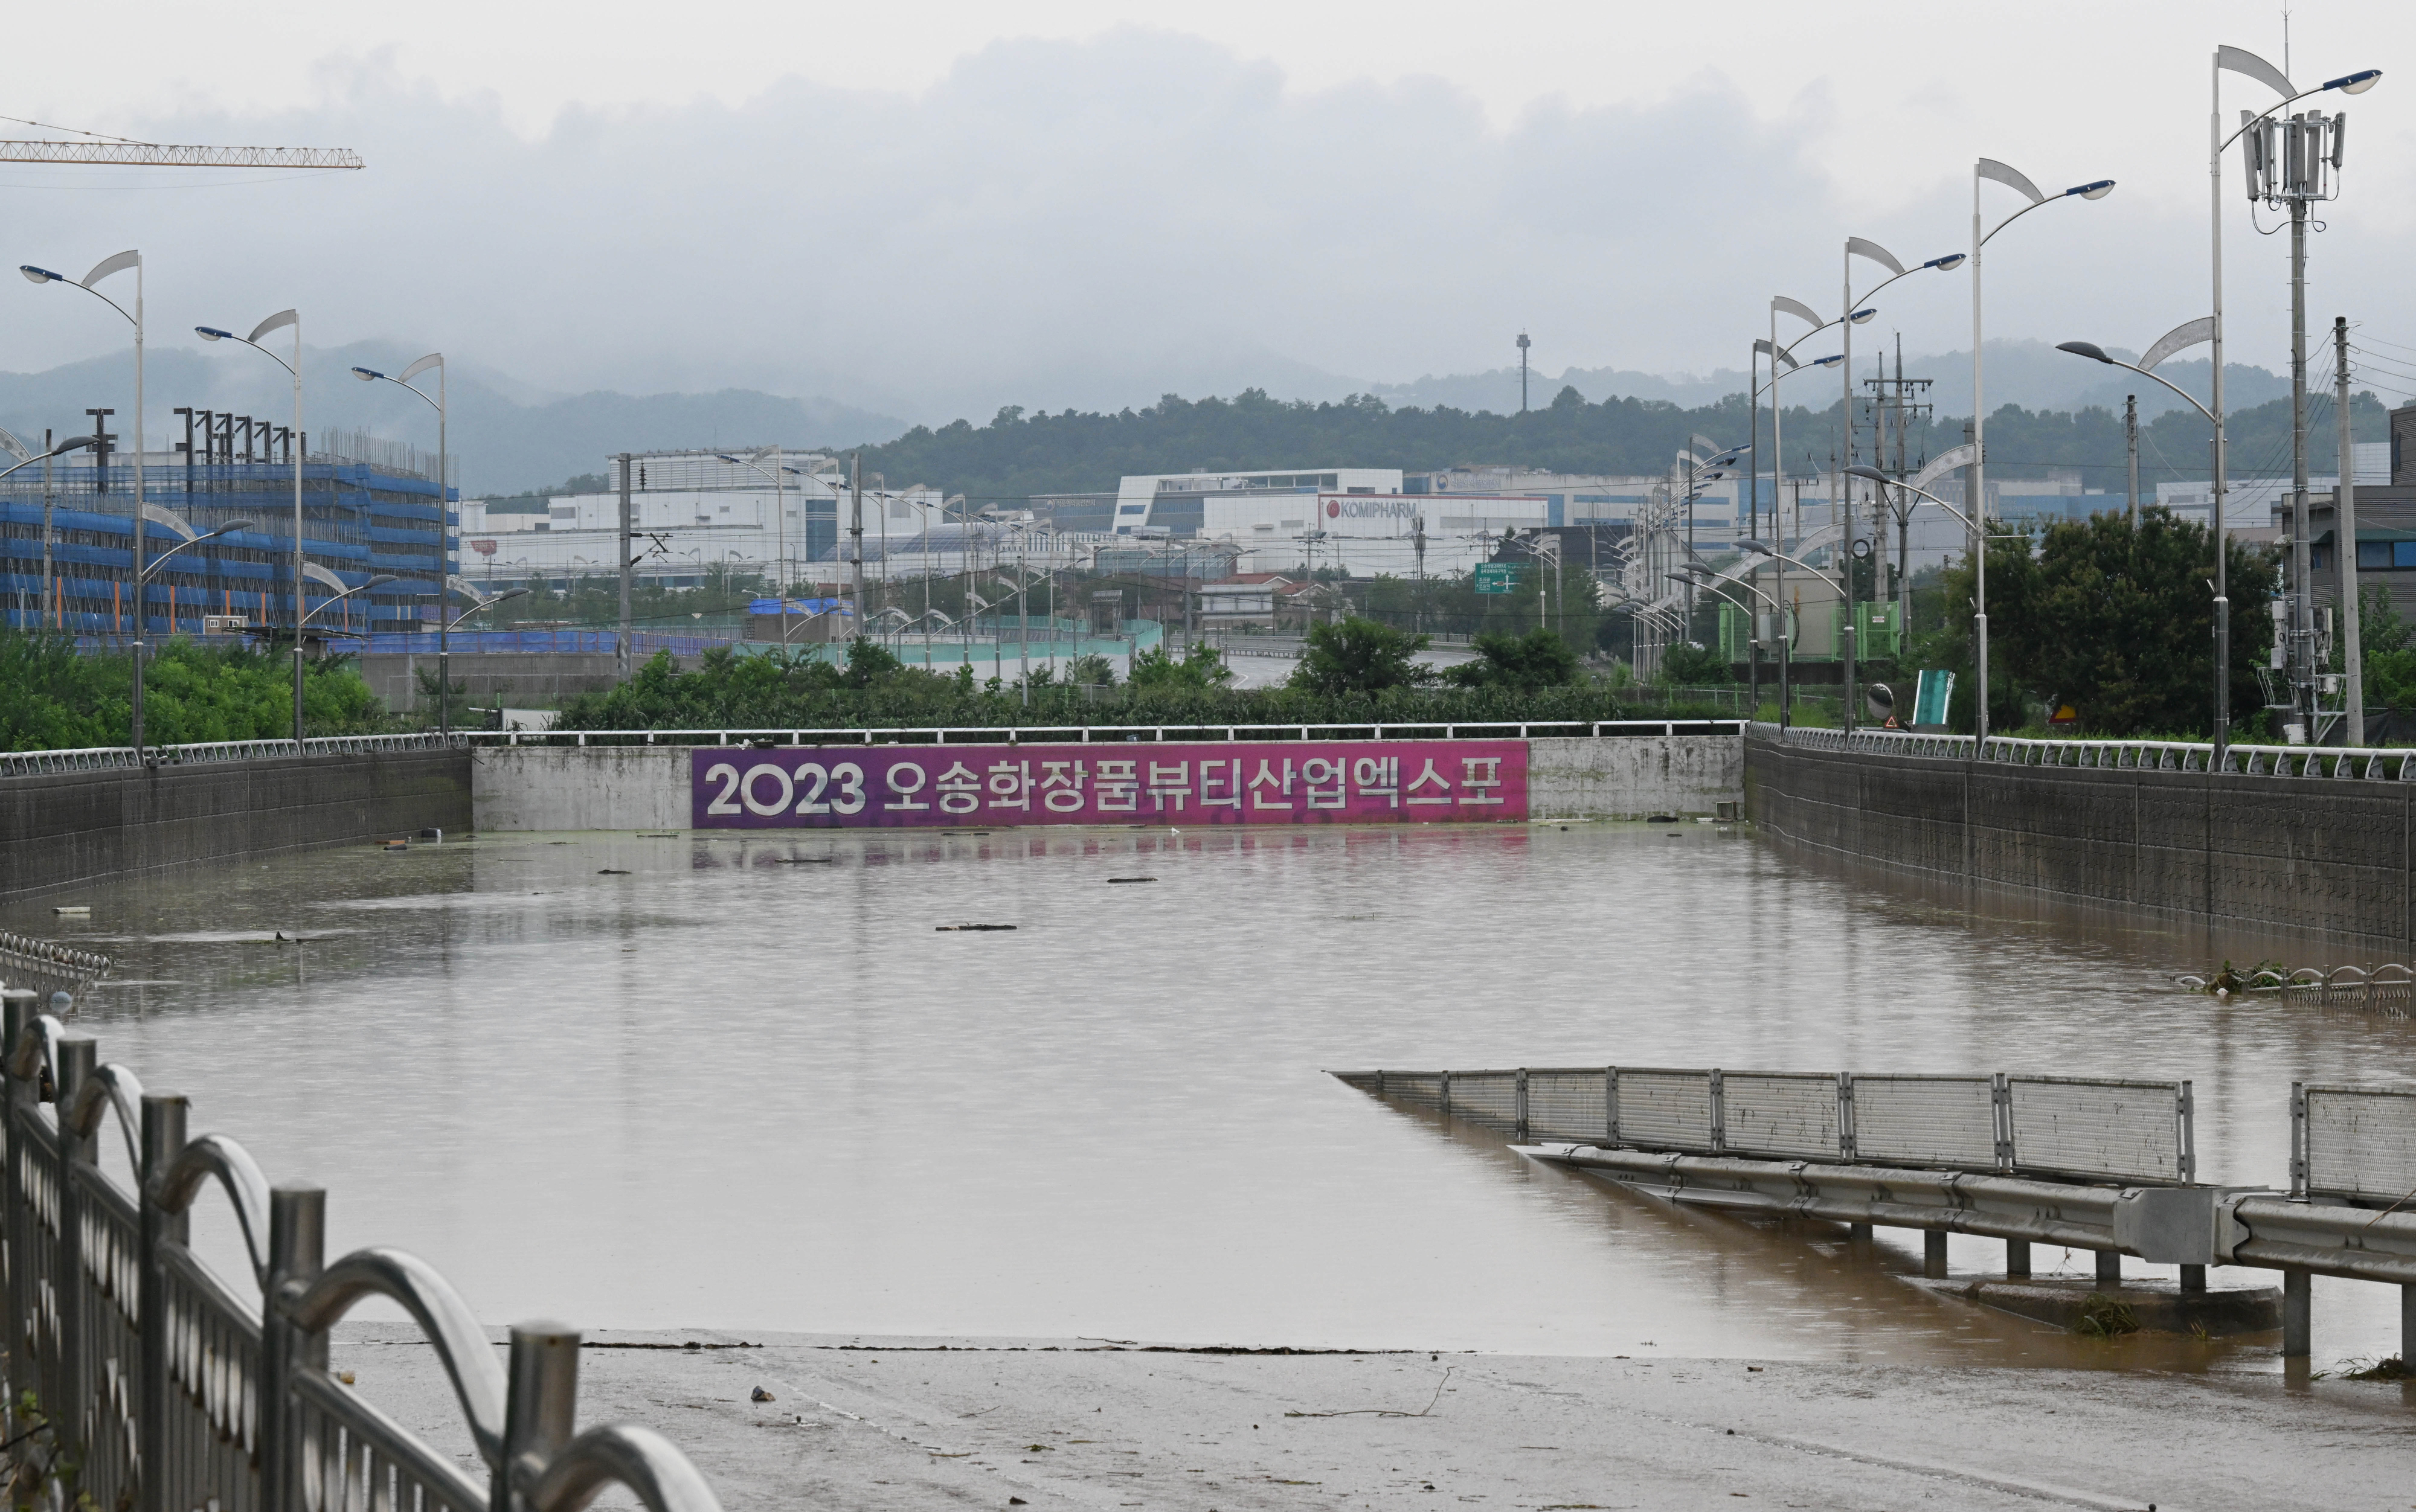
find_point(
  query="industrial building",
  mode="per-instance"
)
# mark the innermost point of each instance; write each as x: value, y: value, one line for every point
x: 66, y: 532
x: 760, y: 511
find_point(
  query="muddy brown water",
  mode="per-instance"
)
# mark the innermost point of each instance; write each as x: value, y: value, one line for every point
x: 724, y: 1091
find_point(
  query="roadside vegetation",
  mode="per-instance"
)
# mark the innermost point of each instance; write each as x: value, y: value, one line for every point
x: 1356, y: 671
x: 53, y: 698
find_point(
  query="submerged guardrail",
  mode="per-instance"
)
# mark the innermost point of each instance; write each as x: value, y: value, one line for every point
x: 139, y: 1380
x: 2103, y: 1165
x: 2358, y: 763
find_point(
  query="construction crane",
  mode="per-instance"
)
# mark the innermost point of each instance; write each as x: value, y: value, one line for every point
x: 119, y: 152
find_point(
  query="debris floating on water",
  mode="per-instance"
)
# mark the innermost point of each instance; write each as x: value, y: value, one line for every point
x: 805, y: 861
x: 76, y: 908
x: 607, y: 871
x: 974, y: 929
x: 762, y: 1395
x: 1112, y: 881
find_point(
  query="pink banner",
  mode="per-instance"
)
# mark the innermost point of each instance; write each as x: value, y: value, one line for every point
x: 1287, y: 781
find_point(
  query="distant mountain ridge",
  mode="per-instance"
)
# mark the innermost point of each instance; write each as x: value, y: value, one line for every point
x: 503, y: 443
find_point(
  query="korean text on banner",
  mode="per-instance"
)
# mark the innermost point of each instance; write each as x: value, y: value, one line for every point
x: 1306, y: 782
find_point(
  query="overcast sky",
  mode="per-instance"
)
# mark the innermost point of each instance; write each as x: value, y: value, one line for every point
x: 930, y: 210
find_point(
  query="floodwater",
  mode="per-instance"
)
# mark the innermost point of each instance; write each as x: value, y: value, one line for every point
x: 747, y: 1082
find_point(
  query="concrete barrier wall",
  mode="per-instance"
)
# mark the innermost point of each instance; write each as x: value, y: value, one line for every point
x: 2257, y: 857
x: 71, y: 827
x: 647, y: 787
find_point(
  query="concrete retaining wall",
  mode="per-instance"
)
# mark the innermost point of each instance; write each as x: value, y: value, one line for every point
x: 81, y: 827
x: 2255, y: 857
x: 647, y: 787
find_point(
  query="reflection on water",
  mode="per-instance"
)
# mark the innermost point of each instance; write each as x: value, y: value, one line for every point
x: 727, y: 1090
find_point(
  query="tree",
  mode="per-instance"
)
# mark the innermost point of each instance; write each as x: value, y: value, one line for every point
x: 1538, y: 659
x: 1359, y: 655
x: 2120, y: 624
x: 2390, y: 664
x: 1200, y: 666
x: 1687, y: 665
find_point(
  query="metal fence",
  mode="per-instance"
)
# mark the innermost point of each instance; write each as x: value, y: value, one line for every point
x: 2057, y: 1127
x: 108, y: 757
x: 1085, y: 734
x: 138, y: 1380
x: 2355, y: 1145
x: 2364, y: 763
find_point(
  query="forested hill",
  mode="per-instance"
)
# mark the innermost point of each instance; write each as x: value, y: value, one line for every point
x: 1018, y: 454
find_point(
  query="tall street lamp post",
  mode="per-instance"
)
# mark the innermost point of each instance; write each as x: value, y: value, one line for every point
x: 1988, y: 168
x: 64, y: 447
x: 444, y: 537
x: 279, y: 321
x: 1871, y: 251
x: 1786, y: 658
x: 444, y: 674
x: 2186, y: 335
x: 105, y: 268
x: 142, y: 578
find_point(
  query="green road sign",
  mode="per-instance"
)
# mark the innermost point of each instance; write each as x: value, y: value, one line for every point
x: 1497, y: 577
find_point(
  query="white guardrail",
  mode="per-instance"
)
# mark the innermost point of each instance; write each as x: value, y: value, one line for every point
x: 2084, y: 1127
x: 2363, y: 763
x: 108, y: 757
x: 2104, y: 1164
x: 1088, y: 734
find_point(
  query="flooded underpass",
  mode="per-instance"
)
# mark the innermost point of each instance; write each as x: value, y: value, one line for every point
x: 671, y: 1081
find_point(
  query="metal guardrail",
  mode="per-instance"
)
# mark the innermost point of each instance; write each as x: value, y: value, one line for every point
x: 2076, y: 1128
x: 113, y: 758
x: 1913, y: 1152
x: 138, y: 1380
x: 1088, y: 734
x: 2363, y: 763
x: 22, y: 955
x: 2390, y: 987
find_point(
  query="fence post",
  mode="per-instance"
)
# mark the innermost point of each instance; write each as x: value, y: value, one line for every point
x: 1719, y: 1114
x: 164, y: 1116
x: 2187, y: 1111
x: 1442, y: 1098
x: 1845, y: 1115
x: 2298, y: 1139
x: 297, y: 1251
x: 540, y: 1408
x: 1521, y: 1113
x: 2298, y: 1297
x: 65, y: 1404
x: 17, y: 1015
x: 1610, y: 1106
x: 2002, y: 1096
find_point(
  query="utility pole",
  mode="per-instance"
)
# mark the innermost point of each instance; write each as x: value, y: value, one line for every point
x: 1522, y: 372
x: 2345, y: 539
x: 623, y: 658
x: 51, y: 600
x: 2302, y: 620
x: 2131, y: 442
x: 855, y: 529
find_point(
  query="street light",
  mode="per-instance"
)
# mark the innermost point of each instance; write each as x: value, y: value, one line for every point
x: 79, y: 443
x: 444, y: 657
x: 105, y: 268
x: 1778, y: 462
x: 443, y: 556
x: 2189, y: 334
x: 141, y: 577
x: 2012, y: 178
x: 1871, y: 252
x: 275, y: 322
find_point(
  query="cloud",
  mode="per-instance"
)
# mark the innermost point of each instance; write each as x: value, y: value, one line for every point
x: 1053, y: 224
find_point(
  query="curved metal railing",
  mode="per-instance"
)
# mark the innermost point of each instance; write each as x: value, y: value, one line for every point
x: 22, y: 955
x: 135, y: 1378
x: 2389, y: 988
